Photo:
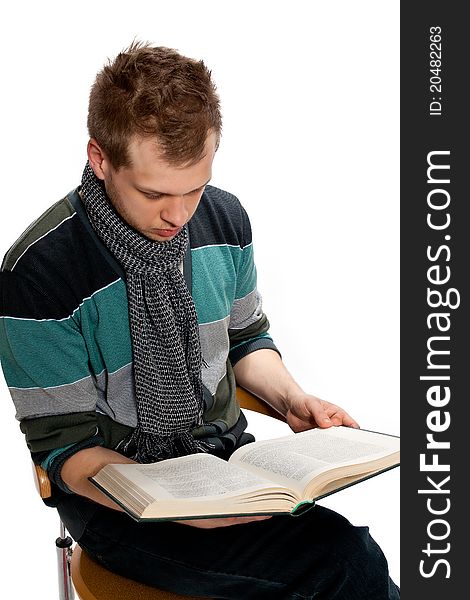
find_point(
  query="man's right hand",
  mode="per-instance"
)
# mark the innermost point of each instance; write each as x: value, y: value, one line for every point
x: 222, y: 522
x: 86, y: 463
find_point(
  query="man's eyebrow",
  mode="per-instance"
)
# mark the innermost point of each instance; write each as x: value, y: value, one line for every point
x: 156, y: 193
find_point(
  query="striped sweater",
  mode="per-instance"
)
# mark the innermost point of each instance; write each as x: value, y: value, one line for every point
x: 65, y: 342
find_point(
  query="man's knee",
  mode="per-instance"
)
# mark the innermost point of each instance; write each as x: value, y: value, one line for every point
x: 362, y: 565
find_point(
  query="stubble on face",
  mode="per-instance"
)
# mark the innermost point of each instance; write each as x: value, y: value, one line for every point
x: 153, y: 197
x: 119, y: 204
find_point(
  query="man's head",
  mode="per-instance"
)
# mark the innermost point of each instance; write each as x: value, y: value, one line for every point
x: 157, y: 93
x: 154, y: 123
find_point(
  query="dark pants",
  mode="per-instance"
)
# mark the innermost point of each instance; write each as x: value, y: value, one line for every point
x: 318, y: 555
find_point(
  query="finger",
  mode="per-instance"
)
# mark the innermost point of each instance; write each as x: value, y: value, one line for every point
x: 250, y: 519
x: 315, y: 413
x: 341, y: 417
x: 220, y: 522
x: 350, y: 422
x: 298, y: 425
x: 240, y: 520
x: 321, y: 416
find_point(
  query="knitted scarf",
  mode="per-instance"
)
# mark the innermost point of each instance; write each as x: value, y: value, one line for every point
x: 164, y: 332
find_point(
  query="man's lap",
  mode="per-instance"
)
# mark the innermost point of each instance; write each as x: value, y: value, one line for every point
x: 282, y: 557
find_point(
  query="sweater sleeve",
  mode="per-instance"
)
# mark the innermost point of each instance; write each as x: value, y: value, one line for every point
x: 45, y: 365
x: 249, y: 326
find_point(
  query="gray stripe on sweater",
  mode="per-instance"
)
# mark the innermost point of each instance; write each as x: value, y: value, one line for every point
x: 110, y: 394
x: 116, y: 395
x: 214, y: 346
x: 246, y: 311
x: 80, y: 396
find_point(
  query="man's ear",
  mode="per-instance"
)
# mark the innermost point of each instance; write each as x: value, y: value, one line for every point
x: 97, y: 159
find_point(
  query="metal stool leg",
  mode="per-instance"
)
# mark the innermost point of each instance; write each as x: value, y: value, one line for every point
x: 64, y: 555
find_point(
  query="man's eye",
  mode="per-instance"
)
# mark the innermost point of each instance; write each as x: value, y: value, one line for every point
x: 158, y: 196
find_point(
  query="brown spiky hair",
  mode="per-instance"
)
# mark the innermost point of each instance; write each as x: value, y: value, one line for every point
x: 153, y: 91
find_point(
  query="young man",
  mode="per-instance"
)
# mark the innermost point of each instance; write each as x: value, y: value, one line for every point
x: 129, y: 314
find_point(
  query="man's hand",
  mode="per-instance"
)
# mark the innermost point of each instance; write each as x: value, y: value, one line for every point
x: 264, y: 374
x: 306, y: 412
x: 222, y: 522
x: 86, y: 463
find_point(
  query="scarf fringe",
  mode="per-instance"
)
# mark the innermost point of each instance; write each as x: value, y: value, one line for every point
x: 146, y: 447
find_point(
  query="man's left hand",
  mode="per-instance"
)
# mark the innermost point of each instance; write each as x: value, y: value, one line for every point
x: 306, y: 412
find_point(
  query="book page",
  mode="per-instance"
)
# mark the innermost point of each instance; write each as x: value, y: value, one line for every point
x: 192, y: 477
x: 295, y: 459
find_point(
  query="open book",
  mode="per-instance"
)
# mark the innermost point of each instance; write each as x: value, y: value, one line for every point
x: 282, y: 475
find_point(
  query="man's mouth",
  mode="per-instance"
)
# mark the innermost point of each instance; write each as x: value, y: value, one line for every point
x: 167, y: 232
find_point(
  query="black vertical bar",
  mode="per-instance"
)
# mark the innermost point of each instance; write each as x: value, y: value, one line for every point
x: 435, y: 357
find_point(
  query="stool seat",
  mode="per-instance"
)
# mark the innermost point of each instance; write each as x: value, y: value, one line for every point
x: 94, y: 582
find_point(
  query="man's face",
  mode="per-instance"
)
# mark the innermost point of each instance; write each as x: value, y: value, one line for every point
x: 155, y: 198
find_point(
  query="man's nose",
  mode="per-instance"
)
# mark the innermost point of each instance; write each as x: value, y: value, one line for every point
x: 175, y: 211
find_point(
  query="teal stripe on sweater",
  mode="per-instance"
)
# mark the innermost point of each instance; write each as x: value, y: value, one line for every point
x: 261, y: 335
x: 52, y: 353
x: 213, y: 266
x: 104, y: 322
x: 47, y: 462
x: 44, y: 351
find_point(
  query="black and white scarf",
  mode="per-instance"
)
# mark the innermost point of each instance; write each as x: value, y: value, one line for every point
x: 164, y: 332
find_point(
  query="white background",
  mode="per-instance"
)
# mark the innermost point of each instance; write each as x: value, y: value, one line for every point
x: 310, y: 100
